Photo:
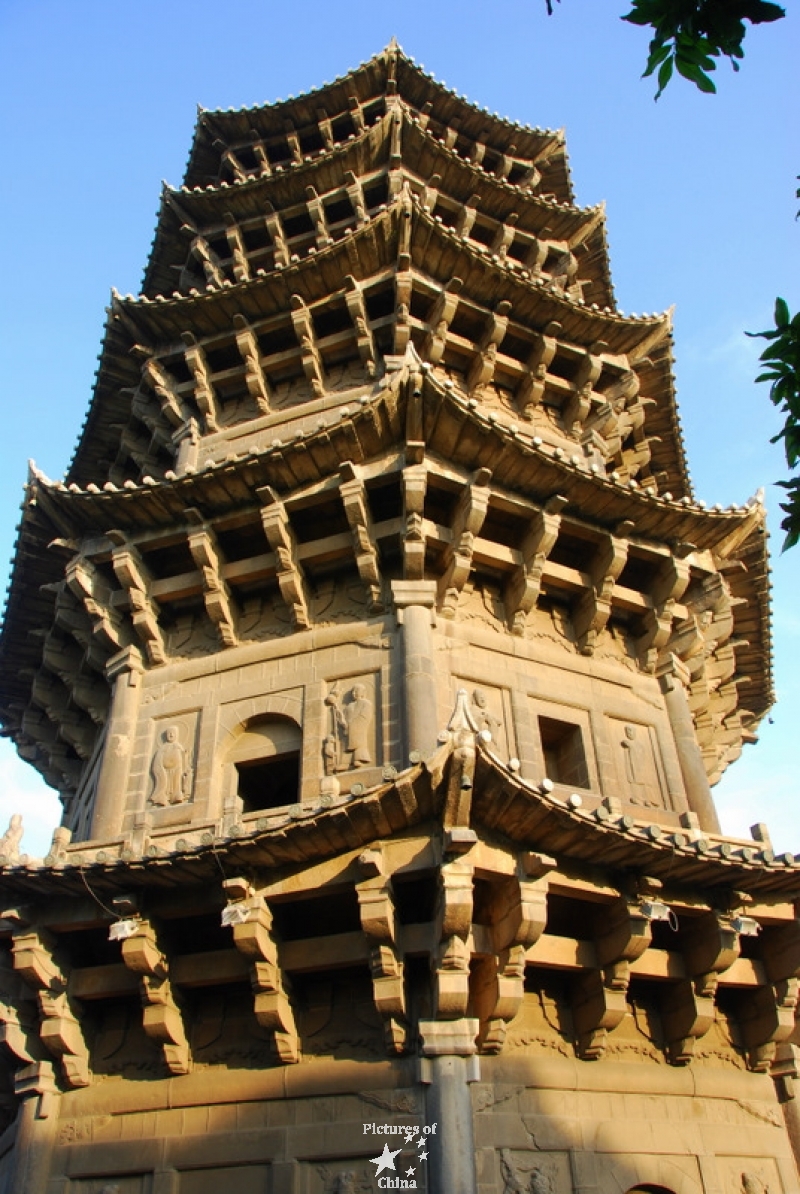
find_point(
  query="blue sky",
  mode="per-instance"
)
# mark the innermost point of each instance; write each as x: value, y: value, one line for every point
x: 98, y: 103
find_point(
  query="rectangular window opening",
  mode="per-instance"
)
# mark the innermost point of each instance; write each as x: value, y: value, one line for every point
x: 564, y: 755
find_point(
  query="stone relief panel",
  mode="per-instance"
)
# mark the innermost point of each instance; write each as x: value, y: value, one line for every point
x: 119, y: 1042
x: 749, y: 1175
x: 525, y: 1172
x: 225, y: 1030
x: 129, y: 1183
x: 244, y: 1179
x: 336, y: 1016
x: 491, y: 710
x: 170, y: 780
x: 350, y: 725
x: 637, y: 761
x: 544, y: 1021
x: 345, y: 1175
x: 482, y: 603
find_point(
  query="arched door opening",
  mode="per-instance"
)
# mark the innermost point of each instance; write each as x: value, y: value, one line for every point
x: 266, y: 760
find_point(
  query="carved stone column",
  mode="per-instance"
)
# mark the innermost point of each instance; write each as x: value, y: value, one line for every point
x: 37, y: 1125
x: 698, y: 791
x: 785, y: 1075
x: 449, y: 1064
x: 414, y: 602
x: 124, y: 671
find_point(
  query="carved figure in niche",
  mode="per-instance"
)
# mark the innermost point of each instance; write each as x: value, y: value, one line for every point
x: 636, y: 755
x: 171, y: 772
x: 480, y: 711
x: 518, y: 1181
x: 752, y: 1184
x: 345, y: 1181
x: 10, y: 841
x: 348, y: 743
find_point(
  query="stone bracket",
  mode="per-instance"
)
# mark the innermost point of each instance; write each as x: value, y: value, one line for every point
x: 280, y: 536
x: 470, y: 513
x: 354, y: 498
x: 307, y: 336
x: 133, y: 575
x: 523, y: 588
x: 530, y: 390
x: 60, y: 1029
x: 254, y: 376
x: 216, y: 594
x: 354, y: 298
x: 593, y: 609
x: 162, y: 1020
x: 204, y: 394
x: 241, y: 265
x: 376, y: 908
x: 251, y: 922
x: 442, y: 315
x: 415, y: 480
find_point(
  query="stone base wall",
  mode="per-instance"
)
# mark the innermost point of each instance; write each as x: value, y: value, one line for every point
x: 542, y: 1125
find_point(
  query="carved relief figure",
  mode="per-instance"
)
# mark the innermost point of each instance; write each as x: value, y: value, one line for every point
x: 484, y: 718
x: 521, y: 1181
x: 752, y: 1184
x: 348, y: 743
x: 10, y: 841
x: 638, y: 766
x: 171, y: 772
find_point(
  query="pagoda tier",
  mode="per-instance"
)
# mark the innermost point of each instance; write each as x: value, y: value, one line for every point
x: 231, y: 145
x: 390, y: 487
x: 383, y: 661
x: 594, y: 382
x: 291, y: 969
x: 206, y: 235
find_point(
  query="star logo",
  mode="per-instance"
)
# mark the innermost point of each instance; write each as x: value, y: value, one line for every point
x: 409, y: 1171
x: 385, y: 1160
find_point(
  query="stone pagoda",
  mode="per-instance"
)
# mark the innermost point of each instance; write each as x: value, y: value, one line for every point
x: 383, y: 660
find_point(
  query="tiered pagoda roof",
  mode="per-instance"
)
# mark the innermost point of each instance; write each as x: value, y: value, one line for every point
x: 376, y: 273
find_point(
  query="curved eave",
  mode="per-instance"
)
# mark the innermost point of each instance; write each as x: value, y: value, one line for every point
x: 435, y: 251
x: 29, y: 606
x: 508, y: 805
x: 456, y: 429
x: 460, y: 432
x: 368, y: 82
x: 751, y: 585
x: 245, y: 199
x: 424, y: 155
x: 503, y: 804
x: 351, y: 823
x: 419, y: 88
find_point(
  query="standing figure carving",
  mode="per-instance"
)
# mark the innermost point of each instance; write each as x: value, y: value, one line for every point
x: 485, y: 719
x: 348, y: 743
x: 10, y: 841
x: 171, y: 772
x: 636, y: 756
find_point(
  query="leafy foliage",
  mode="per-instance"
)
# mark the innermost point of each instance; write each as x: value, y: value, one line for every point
x: 781, y: 359
x: 691, y: 34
